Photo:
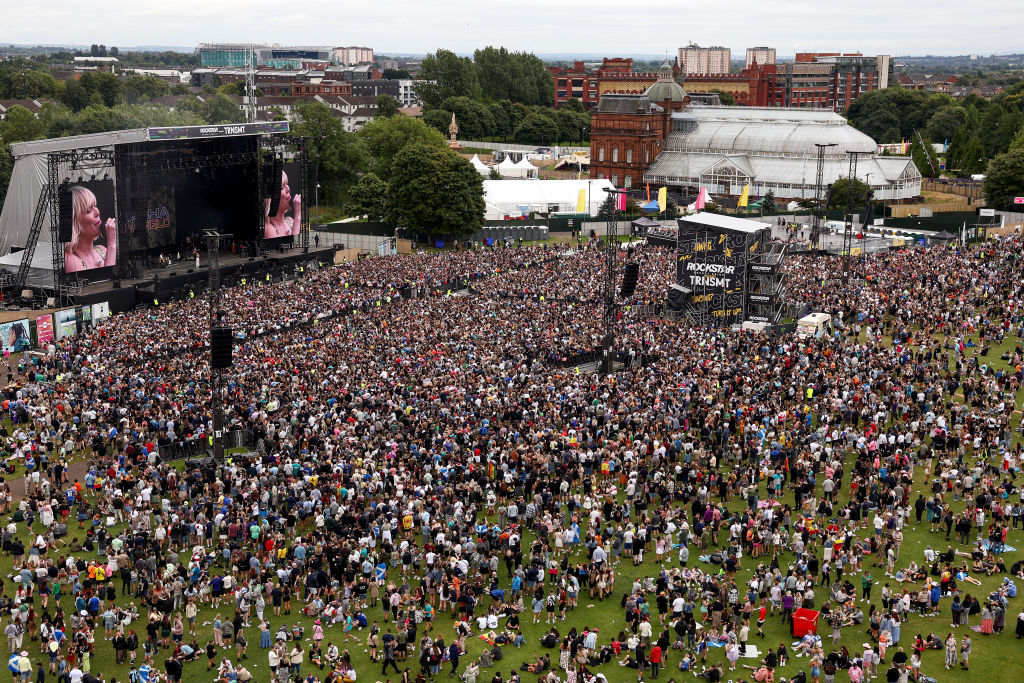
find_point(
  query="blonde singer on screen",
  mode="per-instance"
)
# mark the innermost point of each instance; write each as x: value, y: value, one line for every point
x: 280, y: 225
x: 82, y: 252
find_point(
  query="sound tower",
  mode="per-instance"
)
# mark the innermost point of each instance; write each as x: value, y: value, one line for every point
x: 220, y: 347
x: 65, y: 213
x: 630, y: 274
x: 274, y: 186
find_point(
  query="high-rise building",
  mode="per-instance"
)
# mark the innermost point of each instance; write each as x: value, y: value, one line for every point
x: 760, y: 55
x: 353, y: 56
x: 703, y: 61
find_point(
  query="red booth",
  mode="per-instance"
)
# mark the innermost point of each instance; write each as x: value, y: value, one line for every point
x: 805, y: 621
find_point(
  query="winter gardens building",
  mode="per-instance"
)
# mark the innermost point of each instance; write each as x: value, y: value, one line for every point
x: 665, y: 138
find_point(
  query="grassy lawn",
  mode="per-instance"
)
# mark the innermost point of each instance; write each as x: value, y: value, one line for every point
x: 992, y: 659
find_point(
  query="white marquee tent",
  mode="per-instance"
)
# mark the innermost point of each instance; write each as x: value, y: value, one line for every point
x: 520, y: 197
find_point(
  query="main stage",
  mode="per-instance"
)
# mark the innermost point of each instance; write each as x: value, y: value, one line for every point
x: 178, y: 279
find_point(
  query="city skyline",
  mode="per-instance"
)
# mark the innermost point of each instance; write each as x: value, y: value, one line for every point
x: 574, y: 27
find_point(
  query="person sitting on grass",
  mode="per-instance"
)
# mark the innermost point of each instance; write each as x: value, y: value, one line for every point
x: 539, y: 664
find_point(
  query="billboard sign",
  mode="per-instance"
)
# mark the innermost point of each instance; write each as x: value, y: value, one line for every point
x: 14, y: 336
x: 44, y: 329
x: 67, y: 325
x: 226, y: 130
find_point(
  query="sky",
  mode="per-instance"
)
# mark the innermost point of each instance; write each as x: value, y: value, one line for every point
x: 593, y: 27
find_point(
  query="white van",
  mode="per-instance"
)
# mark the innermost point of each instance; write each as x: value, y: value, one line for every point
x: 813, y: 324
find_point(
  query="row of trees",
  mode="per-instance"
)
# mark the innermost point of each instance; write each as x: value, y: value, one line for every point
x: 492, y: 74
x: 976, y: 130
x: 511, y: 121
x: 395, y: 169
x: 498, y: 95
x: 28, y: 80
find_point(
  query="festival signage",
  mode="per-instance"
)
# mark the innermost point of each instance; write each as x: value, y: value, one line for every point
x: 14, y: 336
x: 44, y: 329
x: 192, y: 132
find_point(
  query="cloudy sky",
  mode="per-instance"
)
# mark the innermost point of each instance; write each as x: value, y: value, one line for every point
x: 603, y: 27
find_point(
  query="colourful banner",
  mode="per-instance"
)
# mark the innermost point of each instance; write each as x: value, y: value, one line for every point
x: 743, y: 197
x: 581, y: 201
x: 662, y: 199
x: 44, y: 329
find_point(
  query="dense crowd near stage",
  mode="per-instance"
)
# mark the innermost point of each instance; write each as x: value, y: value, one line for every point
x: 425, y: 482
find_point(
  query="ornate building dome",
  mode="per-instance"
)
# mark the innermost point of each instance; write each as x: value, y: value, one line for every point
x: 665, y: 88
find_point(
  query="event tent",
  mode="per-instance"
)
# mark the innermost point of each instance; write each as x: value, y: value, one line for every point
x: 518, y: 197
x: 528, y: 170
x: 481, y: 168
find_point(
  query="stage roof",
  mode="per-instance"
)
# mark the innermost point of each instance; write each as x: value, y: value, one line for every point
x: 728, y: 223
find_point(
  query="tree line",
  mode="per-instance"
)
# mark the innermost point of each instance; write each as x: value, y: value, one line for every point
x: 983, y: 136
x: 975, y: 129
x: 497, y: 95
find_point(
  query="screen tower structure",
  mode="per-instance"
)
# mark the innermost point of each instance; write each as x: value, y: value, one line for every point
x: 249, y: 100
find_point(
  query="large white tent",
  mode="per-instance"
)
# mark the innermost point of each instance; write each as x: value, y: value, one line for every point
x: 520, y: 197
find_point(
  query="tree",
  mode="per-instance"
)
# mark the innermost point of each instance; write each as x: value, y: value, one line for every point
x: 727, y: 98
x: 397, y: 74
x: 222, y: 109
x: 6, y: 167
x: 369, y: 197
x: 237, y: 88
x: 383, y: 139
x: 768, y: 202
x: 607, y: 208
x: 840, y: 193
x: 339, y: 154
x: 444, y: 74
x: 107, y: 85
x: 924, y: 157
x: 944, y: 123
x: 1018, y: 139
x: 538, y: 128
x: 94, y: 50
x: 516, y: 76
x: 1004, y: 180
x: 20, y: 125
x: 970, y: 159
x: 573, y: 104
x: 493, y: 174
x: 387, y: 106
x: 438, y: 119
x: 114, y: 52
x: 474, y: 117
x: 138, y: 88
x: 435, y: 191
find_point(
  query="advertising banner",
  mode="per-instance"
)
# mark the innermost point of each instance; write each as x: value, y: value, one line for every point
x: 67, y: 326
x: 44, y: 329
x: 15, y: 336
x: 101, y: 311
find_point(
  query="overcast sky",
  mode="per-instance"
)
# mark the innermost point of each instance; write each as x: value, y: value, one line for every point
x: 604, y: 27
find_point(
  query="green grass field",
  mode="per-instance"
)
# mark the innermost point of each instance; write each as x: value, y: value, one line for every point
x: 993, y: 658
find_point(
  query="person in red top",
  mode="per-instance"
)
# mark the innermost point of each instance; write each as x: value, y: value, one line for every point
x: 762, y: 614
x: 655, y: 659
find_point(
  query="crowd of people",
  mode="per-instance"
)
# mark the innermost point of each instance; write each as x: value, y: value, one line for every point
x: 423, y: 476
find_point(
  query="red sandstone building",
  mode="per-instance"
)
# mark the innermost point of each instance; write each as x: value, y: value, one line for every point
x: 626, y: 130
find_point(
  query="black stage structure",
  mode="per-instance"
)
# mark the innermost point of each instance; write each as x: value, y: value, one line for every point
x: 163, y: 187
x: 727, y: 271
